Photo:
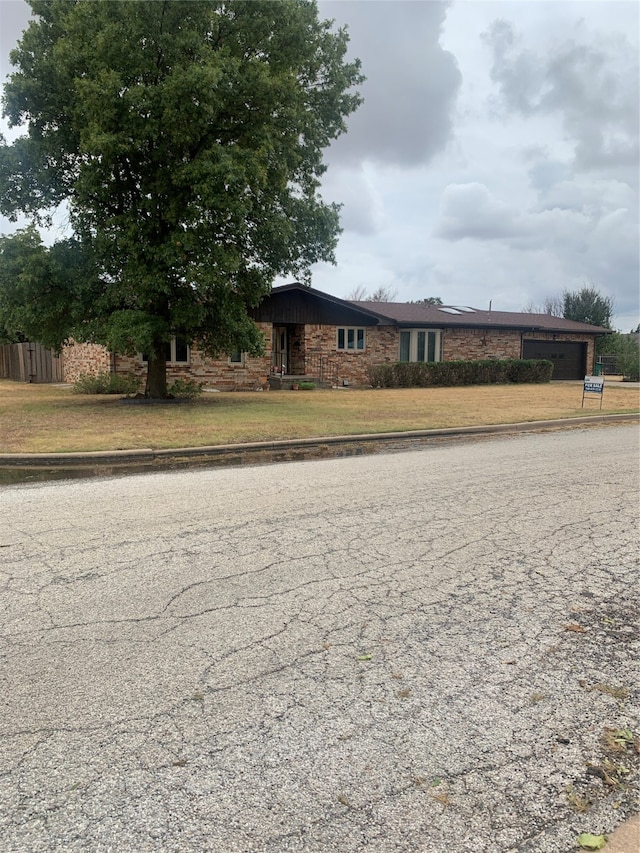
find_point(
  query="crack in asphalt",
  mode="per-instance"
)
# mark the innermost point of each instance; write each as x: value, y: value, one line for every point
x: 349, y: 676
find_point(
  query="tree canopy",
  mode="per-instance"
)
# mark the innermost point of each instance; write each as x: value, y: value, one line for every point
x: 185, y: 140
x: 588, y: 305
x: 44, y: 293
x: 428, y: 300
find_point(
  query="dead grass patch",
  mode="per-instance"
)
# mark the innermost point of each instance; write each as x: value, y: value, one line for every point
x: 45, y: 418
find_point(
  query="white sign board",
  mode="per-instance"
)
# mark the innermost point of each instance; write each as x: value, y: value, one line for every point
x: 593, y: 385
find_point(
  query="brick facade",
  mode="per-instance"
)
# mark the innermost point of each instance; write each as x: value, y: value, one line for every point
x: 89, y: 359
x: 381, y: 345
x: 306, y: 344
x: 476, y: 344
x: 249, y: 375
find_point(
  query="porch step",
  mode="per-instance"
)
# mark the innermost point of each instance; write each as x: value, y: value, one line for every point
x: 286, y: 382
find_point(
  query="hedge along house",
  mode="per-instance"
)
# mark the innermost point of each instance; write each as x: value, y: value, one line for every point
x: 335, y: 341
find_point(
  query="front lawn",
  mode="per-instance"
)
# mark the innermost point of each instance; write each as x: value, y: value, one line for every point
x: 45, y: 418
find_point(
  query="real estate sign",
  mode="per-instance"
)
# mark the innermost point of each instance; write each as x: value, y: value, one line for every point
x: 593, y: 385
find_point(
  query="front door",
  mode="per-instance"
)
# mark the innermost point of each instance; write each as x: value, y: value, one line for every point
x: 279, y: 349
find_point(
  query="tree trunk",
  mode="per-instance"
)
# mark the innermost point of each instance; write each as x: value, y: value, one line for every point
x: 156, y: 386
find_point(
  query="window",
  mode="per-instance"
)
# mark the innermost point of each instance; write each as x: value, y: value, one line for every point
x: 350, y: 339
x: 236, y: 357
x: 179, y: 350
x: 420, y: 345
x: 176, y: 351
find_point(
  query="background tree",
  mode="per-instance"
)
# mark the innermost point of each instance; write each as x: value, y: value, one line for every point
x: 429, y: 300
x: 588, y: 305
x: 383, y: 294
x: 380, y: 294
x: 186, y: 140
x: 626, y: 349
x: 44, y: 291
x: 553, y: 305
x: 358, y: 294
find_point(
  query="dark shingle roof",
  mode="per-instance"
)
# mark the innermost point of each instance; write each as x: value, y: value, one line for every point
x: 407, y: 313
x: 445, y: 316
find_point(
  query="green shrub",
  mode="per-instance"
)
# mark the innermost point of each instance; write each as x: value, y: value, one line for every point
x: 106, y: 383
x: 453, y: 373
x: 306, y: 386
x: 185, y: 388
x: 626, y: 349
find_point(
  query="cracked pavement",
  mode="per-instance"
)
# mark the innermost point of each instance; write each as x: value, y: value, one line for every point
x: 426, y: 651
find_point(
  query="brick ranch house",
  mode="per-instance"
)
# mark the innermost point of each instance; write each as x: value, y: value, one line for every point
x: 335, y: 341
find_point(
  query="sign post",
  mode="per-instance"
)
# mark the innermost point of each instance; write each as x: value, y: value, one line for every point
x: 593, y: 385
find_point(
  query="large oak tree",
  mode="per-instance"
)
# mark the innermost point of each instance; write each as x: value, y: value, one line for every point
x: 186, y: 140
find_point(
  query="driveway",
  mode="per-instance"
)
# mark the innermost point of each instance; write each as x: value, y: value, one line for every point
x: 426, y: 651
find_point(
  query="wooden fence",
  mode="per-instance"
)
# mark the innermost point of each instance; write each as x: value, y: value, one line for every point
x: 29, y: 363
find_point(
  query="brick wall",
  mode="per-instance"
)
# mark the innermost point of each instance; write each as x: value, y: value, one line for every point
x: 307, y: 343
x: 476, y: 344
x: 90, y: 359
x: 381, y: 345
x: 250, y: 375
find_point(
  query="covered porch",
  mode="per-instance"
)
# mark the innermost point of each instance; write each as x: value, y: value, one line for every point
x: 293, y: 362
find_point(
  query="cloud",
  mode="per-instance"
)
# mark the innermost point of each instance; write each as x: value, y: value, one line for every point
x: 500, y: 168
x: 354, y: 188
x: 14, y: 18
x: 470, y: 211
x: 547, y: 172
x: 411, y: 86
x: 583, y: 230
x: 592, y: 87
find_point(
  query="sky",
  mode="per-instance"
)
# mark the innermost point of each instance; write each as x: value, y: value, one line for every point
x: 495, y: 158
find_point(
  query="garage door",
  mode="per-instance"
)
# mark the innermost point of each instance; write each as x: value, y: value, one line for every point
x: 569, y: 358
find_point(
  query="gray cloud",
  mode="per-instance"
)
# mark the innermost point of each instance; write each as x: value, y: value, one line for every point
x: 544, y: 202
x: 594, y: 88
x: 411, y: 85
x: 470, y: 211
x: 14, y: 17
x: 588, y: 229
x: 546, y: 172
x: 362, y: 210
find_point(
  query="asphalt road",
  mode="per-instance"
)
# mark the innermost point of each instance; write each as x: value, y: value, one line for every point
x: 426, y: 651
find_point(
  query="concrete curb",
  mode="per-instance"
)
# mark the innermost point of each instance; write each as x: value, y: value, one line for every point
x: 626, y: 838
x: 107, y: 462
